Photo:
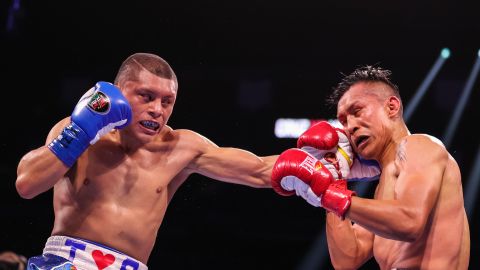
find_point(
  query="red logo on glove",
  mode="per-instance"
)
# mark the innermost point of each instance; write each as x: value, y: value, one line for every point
x: 309, y: 164
x: 99, y: 103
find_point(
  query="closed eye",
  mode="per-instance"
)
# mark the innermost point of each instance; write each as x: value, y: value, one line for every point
x: 166, y: 101
x: 146, y: 97
x: 354, y: 110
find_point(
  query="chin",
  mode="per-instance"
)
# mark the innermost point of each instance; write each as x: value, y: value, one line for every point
x: 144, y: 136
x: 364, y: 154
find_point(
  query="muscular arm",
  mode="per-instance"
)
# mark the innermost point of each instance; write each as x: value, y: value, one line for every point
x: 349, y: 245
x: 40, y: 169
x: 420, y: 163
x: 232, y: 165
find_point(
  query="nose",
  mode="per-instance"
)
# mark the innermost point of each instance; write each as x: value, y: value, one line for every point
x: 155, y: 109
x: 351, y: 125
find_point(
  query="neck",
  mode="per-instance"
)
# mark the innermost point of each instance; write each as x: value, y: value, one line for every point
x: 400, y: 131
x: 132, y: 143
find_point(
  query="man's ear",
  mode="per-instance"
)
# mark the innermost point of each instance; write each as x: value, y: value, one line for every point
x: 393, y: 106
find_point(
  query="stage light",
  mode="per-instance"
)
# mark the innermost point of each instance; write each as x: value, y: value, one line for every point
x: 290, y: 127
x: 445, y: 53
x: 471, y: 189
x: 13, y: 13
x: 413, y: 104
x: 455, y: 119
x: 294, y: 127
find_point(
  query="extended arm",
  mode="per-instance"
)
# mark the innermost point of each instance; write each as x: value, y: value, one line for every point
x: 232, y: 165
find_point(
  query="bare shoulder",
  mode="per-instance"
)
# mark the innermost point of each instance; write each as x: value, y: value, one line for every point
x: 193, y: 139
x: 424, y: 140
x: 421, y: 146
x: 421, y: 137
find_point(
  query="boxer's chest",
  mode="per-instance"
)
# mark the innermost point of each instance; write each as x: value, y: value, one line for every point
x: 109, y: 169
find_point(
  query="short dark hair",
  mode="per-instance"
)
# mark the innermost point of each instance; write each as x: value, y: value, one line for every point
x: 366, y: 73
x: 132, y: 66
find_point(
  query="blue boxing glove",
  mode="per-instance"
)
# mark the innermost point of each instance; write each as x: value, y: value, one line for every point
x: 100, y: 109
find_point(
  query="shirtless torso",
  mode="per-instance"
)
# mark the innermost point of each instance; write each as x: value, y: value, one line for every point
x: 119, y: 199
x: 443, y: 242
x: 123, y: 208
x: 439, y: 247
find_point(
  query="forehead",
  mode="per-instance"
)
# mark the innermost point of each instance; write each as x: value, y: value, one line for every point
x: 148, y: 81
x: 362, y: 92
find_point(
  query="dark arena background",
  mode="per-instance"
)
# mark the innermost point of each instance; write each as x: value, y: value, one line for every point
x: 241, y: 65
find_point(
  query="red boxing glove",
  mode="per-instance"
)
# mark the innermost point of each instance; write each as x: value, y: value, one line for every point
x: 296, y: 163
x: 330, y: 145
x: 337, y: 198
x: 320, y: 136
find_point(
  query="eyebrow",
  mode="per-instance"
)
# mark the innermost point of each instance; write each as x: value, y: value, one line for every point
x: 153, y: 92
x: 349, y: 106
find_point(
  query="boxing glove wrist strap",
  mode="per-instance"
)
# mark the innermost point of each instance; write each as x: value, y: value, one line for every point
x: 70, y: 144
x: 345, y: 155
x: 337, y: 199
x: 280, y: 189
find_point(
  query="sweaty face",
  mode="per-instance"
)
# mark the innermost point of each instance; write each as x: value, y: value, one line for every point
x: 362, y: 111
x: 152, y: 99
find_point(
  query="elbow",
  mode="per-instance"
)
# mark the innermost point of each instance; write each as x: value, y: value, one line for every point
x: 349, y: 259
x: 24, y: 189
x: 346, y: 263
x: 411, y: 234
x: 342, y: 266
x: 411, y: 228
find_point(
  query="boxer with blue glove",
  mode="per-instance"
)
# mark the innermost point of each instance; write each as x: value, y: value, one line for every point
x: 114, y: 166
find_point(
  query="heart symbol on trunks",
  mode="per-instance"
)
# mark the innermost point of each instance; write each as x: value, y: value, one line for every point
x: 102, y: 261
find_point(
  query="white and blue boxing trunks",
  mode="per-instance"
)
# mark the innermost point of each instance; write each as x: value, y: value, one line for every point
x: 68, y: 253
